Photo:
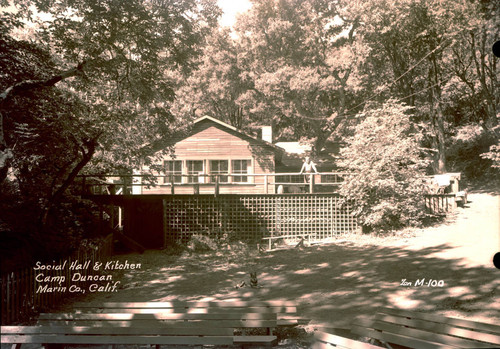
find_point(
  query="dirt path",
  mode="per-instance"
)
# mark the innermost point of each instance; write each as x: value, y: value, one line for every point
x: 473, y: 234
x: 334, y: 283
x: 467, y: 241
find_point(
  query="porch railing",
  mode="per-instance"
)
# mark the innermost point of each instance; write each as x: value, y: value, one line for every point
x: 266, y: 183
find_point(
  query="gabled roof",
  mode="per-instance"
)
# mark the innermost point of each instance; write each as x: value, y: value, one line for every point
x: 235, y: 131
x: 206, y: 117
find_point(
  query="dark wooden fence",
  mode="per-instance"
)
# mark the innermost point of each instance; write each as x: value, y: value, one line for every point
x: 19, y: 288
x: 252, y: 217
x: 440, y: 204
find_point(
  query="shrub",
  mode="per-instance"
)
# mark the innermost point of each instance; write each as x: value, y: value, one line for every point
x: 472, y: 151
x: 201, y: 243
x: 493, y: 154
x: 386, y: 169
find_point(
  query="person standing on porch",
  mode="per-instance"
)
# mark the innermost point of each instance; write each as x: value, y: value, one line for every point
x: 308, y: 167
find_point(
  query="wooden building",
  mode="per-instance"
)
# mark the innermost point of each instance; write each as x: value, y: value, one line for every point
x: 259, y: 192
x: 214, y: 153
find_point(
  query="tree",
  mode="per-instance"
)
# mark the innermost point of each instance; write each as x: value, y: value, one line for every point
x: 91, y: 89
x: 217, y: 84
x: 435, y: 56
x: 475, y: 28
x: 386, y: 167
x: 303, y: 73
x: 116, y: 53
x: 405, y: 50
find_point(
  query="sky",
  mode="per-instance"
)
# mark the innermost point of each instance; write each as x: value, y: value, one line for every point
x: 230, y: 9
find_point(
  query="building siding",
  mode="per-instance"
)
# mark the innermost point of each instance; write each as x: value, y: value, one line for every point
x: 210, y: 141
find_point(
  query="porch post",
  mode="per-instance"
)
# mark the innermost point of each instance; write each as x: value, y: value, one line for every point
x: 136, y: 183
x: 165, y: 221
x: 217, y: 181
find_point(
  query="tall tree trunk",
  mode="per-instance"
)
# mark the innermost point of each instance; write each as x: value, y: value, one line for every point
x: 437, y: 115
x: 487, y: 72
x: 6, y: 154
x: 57, y: 196
x: 440, y: 166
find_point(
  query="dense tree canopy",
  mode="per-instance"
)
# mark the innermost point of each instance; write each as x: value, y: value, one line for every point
x: 117, y: 53
x: 89, y: 91
x: 308, y: 67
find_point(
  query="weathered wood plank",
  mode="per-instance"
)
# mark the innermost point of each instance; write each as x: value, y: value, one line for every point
x: 393, y: 338
x: 158, y: 316
x: 290, y: 322
x: 430, y: 336
x: 179, y: 330
x: 405, y: 331
x: 478, y: 326
x: 279, y: 311
x: 158, y: 323
x: 440, y: 328
x: 342, y: 342
x: 255, y: 340
x: 101, y: 339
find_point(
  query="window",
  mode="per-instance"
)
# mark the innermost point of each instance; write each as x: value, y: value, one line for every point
x: 332, y: 178
x: 194, y: 170
x: 173, y: 168
x: 240, y: 167
x: 285, y: 179
x: 219, y: 167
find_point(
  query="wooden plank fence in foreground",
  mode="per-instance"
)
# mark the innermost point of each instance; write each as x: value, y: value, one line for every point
x: 440, y: 204
x: 252, y: 217
x: 19, y: 288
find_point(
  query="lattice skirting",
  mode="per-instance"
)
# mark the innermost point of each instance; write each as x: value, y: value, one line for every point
x: 252, y: 217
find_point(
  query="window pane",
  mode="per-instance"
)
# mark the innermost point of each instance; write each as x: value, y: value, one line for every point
x: 194, y: 169
x: 240, y: 167
x: 219, y: 167
x: 173, y: 168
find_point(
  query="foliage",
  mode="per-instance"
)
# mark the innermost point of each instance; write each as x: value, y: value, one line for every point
x: 282, y: 66
x: 387, y: 170
x: 201, y: 243
x: 46, y: 127
x: 472, y: 152
x: 217, y: 84
x: 493, y: 154
x: 432, y: 55
x: 112, y: 56
x: 302, y: 70
x: 89, y: 92
x: 307, y: 67
x: 23, y: 242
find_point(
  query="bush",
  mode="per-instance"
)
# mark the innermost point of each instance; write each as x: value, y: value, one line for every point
x: 472, y: 152
x: 493, y: 154
x: 386, y: 169
x: 201, y: 243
